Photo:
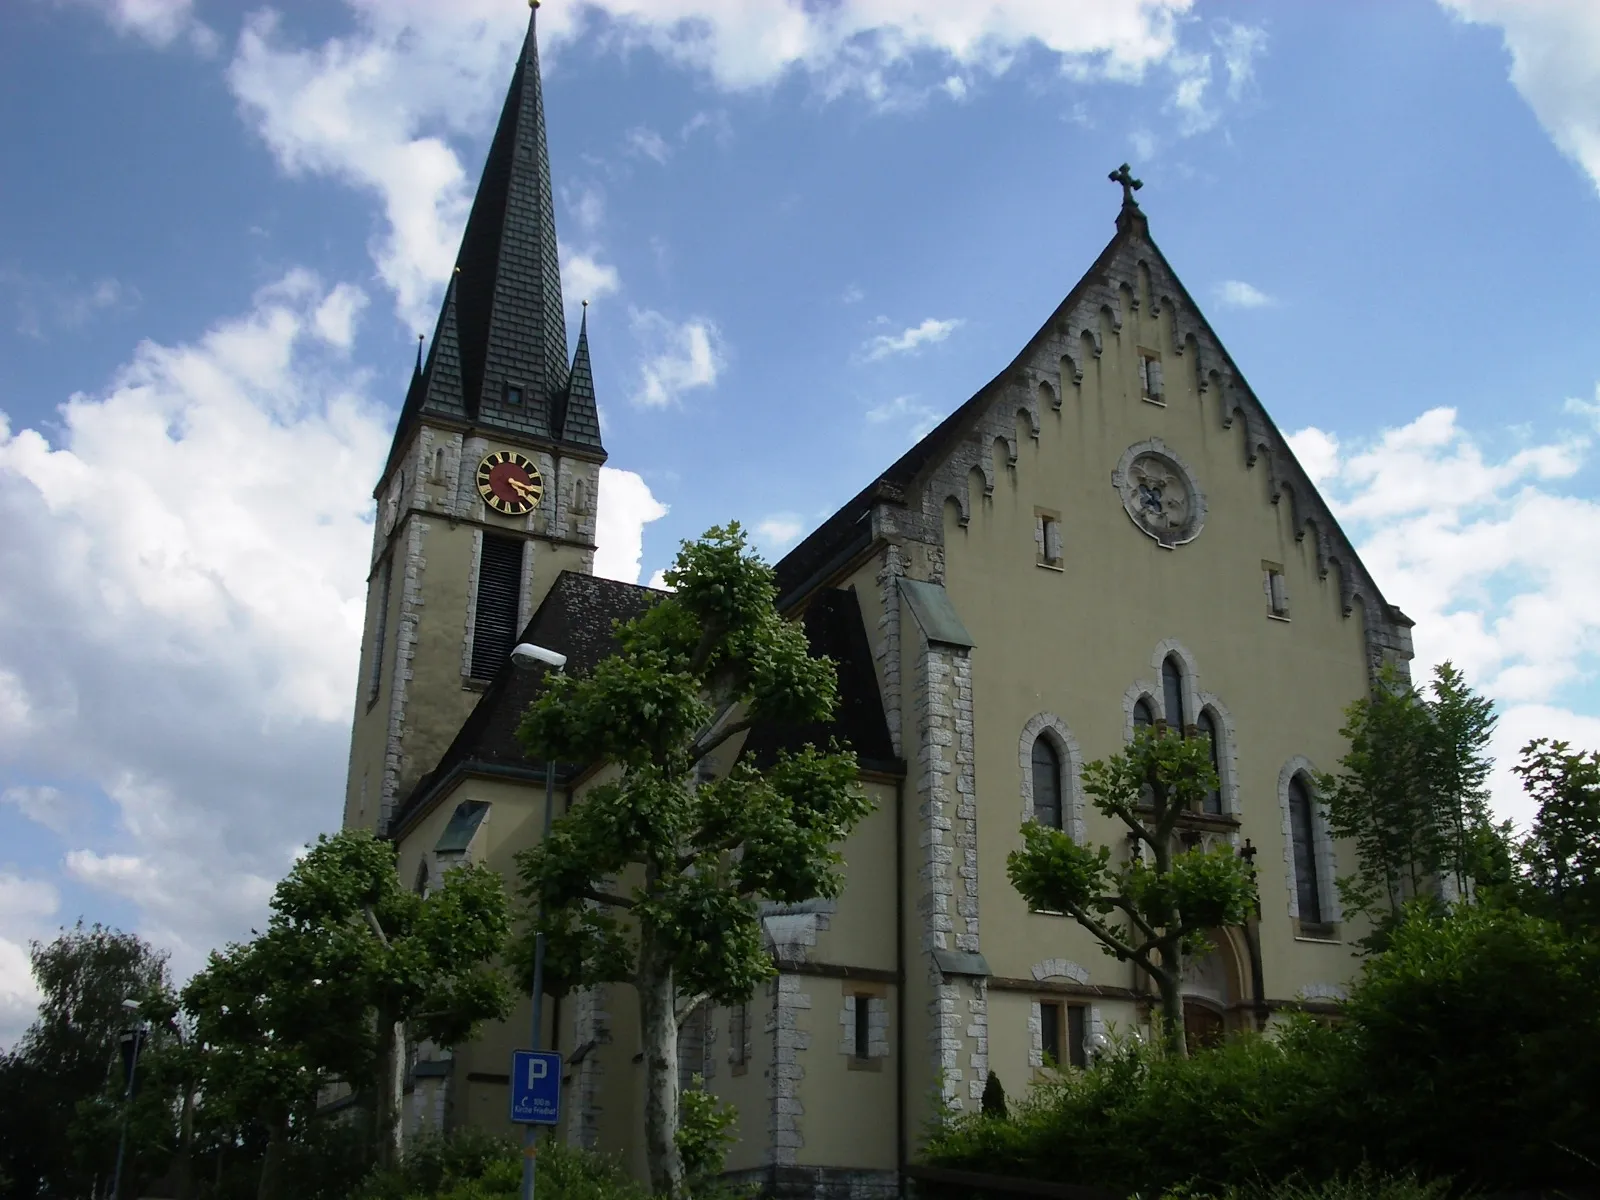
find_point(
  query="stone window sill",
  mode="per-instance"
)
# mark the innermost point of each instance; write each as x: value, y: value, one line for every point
x: 1271, y: 616
x: 474, y: 685
x: 1156, y: 400
x: 864, y: 1064
x: 1052, y: 566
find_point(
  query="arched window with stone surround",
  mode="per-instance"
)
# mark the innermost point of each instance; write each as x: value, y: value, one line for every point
x: 1308, y: 889
x: 1172, y: 691
x: 1144, y: 714
x: 1206, y: 727
x: 1046, y: 783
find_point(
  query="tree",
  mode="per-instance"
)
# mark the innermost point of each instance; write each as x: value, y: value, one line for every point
x: 1560, y: 857
x: 654, y: 879
x: 70, y: 1055
x: 1412, y: 795
x: 1166, y: 904
x: 349, y: 966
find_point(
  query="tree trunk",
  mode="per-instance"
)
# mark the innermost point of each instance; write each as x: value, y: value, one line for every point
x: 390, y: 1096
x: 183, y: 1167
x: 271, y: 1185
x: 1169, y: 980
x: 658, y: 1028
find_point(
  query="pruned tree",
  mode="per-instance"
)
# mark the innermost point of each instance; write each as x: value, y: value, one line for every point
x: 350, y: 966
x: 1154, y: 908
x: 654, y: 879
x: 1412, y: 795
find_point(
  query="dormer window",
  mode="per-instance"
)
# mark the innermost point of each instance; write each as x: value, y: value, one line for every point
x: 513, y: 395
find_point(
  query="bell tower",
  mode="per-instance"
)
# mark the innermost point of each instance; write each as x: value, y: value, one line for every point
x: 490, y: 486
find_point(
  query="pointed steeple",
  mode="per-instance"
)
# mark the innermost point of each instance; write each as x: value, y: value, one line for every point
x: 580, y: 416
x: 499, y: 359
x: 513, y: 331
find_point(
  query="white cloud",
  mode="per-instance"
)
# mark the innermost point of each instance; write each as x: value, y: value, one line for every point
x: 658, y: 580
x: 159, y: 22
x: 46, y: 806
x: 676, y: 357
x: 19, y: 995
x: 852, y: 295
x: 626, y: 507
x: 779, y: 531
x: 647, y: 143
x: 43, y: 305
x: 1236, y: 293
x: 181, y: 594
x: 931, y: 332
x: 905, y: 410
x: 27, y: 899
x: 1555, y: 65
x: 381, y: 107
x: 1237, y: 46
x: 587, y: 204
x: 1479, y: 548
x: 335, y: 318
x: 585, y: 277
x: 955, y: 87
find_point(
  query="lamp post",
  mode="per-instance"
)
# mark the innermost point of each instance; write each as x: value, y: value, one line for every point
x: 139, y: 1029
x: 526, y: 656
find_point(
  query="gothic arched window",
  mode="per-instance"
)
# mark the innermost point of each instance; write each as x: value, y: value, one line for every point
x: 1206, y: 725
x: 1046, y: 783
x: 1143, y: 714
x: 1307, y: 888
x: 1172, y: 692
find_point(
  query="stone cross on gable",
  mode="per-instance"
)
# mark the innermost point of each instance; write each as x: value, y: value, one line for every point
x: 1130, y: 185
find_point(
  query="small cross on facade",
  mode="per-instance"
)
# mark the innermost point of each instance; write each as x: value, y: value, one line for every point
x: 1130, y: 185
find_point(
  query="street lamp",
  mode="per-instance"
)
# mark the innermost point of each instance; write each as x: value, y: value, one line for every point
x: 526, y: 656
x: 140, y: 1028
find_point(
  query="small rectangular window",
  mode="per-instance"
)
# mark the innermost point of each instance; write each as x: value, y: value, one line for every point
x: 513, y: 395
x: 739, y: 1036
x: 1150, y: 375
x: 380, y: 627
x: 863, y: 1027
x: 1277, y: 592
x: 1047, y: 538
x: 1050, y: 1033
x: 1078, y: 1035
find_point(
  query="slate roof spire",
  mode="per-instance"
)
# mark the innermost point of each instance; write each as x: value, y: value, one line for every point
x: 580, y: 416
x: 506, y: 363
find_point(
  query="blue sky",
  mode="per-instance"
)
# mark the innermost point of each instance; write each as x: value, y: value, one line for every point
x: 807, y: 233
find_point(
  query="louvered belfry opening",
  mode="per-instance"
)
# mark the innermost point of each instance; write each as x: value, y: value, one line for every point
x: 494, y: 626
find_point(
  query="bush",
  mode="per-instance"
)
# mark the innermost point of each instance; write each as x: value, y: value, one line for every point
x: 1470, y: 1052
x: 474, y: 1165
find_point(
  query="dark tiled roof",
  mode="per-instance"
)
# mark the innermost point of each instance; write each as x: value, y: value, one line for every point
x: 577, y: 619
x: 502, y: 324
x: 579, y: 415
x: 834, y: 628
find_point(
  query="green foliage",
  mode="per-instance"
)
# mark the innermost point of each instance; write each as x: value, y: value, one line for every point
x: 1364, y: 1183
x: 1164, y: 905
x: 994, y: 1097
x: 63, y: 1079
x: 346, y: 955
x: 1469, y: 1052
x: 705, y: 1131
x: 1412, y: 794
x: 694, y: 858
x: 475, y: 1165
x: 1560, y: 857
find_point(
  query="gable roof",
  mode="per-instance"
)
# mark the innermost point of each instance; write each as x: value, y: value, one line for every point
x: 578, y: 618
x: 905, y: 486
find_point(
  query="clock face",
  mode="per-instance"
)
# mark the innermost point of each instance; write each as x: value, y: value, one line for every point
x: 509, y: 483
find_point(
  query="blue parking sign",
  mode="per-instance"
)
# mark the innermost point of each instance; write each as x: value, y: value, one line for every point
x: 535, y: 1087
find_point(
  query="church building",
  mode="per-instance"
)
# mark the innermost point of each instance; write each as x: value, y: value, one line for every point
x: 1112, y: 532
